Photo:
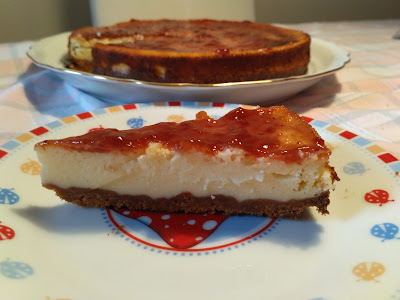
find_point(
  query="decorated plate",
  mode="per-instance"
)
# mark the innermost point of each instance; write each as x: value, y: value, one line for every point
x: 52, y: 250
x: 51, y: 53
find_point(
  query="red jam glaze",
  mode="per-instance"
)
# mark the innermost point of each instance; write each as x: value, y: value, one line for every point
x: 222, y: 37
x: 273, y: 132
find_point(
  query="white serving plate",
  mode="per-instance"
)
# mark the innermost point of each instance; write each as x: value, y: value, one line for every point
x: 51, y: 53
x: 52, y: 250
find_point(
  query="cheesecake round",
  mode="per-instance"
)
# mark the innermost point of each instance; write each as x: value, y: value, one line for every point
x: 190, y: 51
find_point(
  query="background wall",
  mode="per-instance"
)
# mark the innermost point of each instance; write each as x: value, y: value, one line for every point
x: 297, y: 11
x: 34, y: 19
x: 106, y: 12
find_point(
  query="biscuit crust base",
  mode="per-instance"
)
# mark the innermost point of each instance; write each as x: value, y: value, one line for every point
x: 187, y: 203
x: 81, y: 65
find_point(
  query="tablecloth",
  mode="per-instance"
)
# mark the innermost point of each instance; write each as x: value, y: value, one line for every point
x: 363, y: 97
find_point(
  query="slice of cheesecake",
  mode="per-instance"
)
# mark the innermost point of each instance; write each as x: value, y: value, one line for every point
x: 261, y: 161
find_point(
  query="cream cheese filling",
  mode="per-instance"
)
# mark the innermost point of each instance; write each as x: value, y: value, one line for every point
x: 162, y: 173
x: 81, y: 49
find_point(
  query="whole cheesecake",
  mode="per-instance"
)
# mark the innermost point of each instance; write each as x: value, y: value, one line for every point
x: 190, y: 51
x: 262, y: 161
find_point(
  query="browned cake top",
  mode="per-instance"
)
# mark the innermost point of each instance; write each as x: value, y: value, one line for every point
x: 195, y: 35
x: 273, y: 132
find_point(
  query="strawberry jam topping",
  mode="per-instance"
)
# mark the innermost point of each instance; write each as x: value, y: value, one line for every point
x: 221, y: 37
x: 273, y: 132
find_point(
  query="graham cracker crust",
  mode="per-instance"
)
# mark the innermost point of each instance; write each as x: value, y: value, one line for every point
x: 188, y: 203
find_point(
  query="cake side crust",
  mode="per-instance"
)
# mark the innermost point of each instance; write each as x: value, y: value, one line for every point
x: 111, y: 60
x: 187, y: 203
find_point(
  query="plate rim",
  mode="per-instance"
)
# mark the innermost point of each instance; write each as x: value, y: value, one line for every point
x: 339, y: 53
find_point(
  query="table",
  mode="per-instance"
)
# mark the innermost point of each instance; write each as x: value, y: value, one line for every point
x: 363, y: 97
